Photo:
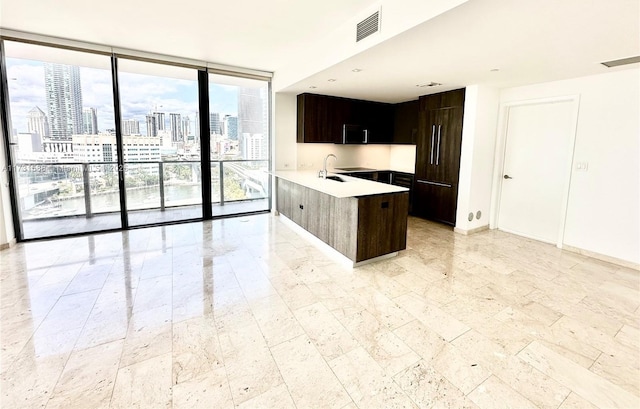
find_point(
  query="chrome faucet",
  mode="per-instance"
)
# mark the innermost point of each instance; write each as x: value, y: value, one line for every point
x: 323, y: 173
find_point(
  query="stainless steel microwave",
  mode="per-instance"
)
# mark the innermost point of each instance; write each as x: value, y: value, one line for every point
x: 354, y: 134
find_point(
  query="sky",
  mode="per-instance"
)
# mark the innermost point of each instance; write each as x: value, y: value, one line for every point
x: 139, y: 95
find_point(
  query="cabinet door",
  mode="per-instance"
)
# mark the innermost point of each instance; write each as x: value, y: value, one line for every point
x: 443, y: 208
x: 283, y: 200
x: 435, y: 202
x: 405, y: 124
x: 316, y: 122
x: 422, y: 199
x: 298, y: 204
x: 447, y: 147
x: 317, y: 214
x: 422, y: 148
x: 379, y: 123
x: 426, y: 144
x: 383, y: 176
x: 382, y: 224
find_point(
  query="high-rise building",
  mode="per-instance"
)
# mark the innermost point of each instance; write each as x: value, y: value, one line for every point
x: 131, y: 127
x: 152, y: 125
x: 160, y: 124
x: 252, y: 146
x: 89, y: 121
x: 230, y: 125
x: 214, y: 124
x: 37, y: 122
x: 64, y: 100
x: 175, y: 127
x: 252, y: 103
x: 186, y: 127
x: 197, y: 125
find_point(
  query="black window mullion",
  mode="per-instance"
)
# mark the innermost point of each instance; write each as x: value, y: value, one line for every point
x: 7, y: 128
x: 205, y: 143
x: 124, y: 216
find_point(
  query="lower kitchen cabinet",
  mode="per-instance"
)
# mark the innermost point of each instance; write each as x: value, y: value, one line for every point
x: 383, y: 234
x: 360, y: 228
x: 317, y: 213
x: 435, y: 202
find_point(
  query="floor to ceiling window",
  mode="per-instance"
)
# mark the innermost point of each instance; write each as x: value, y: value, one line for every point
x: 64, y: 141
x: 239, y: 128
x: 159, y: 110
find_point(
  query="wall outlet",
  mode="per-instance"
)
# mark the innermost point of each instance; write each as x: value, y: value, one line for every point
x: 582, y: 166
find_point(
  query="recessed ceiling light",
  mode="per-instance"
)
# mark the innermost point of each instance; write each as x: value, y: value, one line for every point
x: 356, y: 70
x: 430, y: 84
x: 313, y: 87
x: 331, y: 80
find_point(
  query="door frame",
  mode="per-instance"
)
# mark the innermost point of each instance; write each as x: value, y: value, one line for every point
x: 500, y: 153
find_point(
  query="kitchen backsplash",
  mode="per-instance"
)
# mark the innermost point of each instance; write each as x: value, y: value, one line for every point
x: 395, y: 157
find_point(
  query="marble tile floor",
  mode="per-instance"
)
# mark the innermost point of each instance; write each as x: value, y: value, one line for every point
x: 245, y: 313
x: 38, y: 228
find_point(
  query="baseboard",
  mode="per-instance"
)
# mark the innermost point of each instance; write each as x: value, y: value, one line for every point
x: 602, y: 257
x: 471, y: 231
x: 10, y: 244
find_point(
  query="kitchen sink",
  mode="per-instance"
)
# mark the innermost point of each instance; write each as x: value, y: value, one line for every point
x: 336, y: 178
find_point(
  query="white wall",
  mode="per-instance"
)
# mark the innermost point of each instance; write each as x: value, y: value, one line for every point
x: 402, y: 158
x: 284, y: 138
x: 477, y: 156
x: 7, y: 235
x: 311, y: 156
x: 603, y: 213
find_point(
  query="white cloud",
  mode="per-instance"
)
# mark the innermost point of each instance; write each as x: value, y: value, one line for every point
x: 139, y: 94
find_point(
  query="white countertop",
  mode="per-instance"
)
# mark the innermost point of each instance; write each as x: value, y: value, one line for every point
x: 351, y: 187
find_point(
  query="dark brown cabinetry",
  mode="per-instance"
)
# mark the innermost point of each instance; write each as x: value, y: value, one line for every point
x: 438, y: 149
x: 385, y: 218
x: 391, y: 177
x: 358, y: 227
x: 405, y: 122
x: 321, y: 119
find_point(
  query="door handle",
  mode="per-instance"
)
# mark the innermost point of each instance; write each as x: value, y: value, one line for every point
x: 438, y: 152
x: 507, y: 177
x: 433, y: 135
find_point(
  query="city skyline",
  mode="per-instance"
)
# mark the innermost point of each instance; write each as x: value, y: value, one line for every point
x: 167, y: 95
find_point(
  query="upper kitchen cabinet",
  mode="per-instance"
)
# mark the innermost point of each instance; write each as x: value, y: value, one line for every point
x: 376, y: 119
x: 447, y: 99
x: 320, y: 118
x: 405, y: 123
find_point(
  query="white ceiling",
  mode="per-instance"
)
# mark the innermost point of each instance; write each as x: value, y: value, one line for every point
x: 528, y: 41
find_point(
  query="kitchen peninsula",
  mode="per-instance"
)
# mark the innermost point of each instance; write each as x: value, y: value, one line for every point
x: 361, y: 219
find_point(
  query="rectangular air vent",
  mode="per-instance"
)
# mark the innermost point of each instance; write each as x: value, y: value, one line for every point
x: 368, y: 26
x: 623, y: 61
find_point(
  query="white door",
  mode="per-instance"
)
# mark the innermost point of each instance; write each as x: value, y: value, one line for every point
x: 537, y: 164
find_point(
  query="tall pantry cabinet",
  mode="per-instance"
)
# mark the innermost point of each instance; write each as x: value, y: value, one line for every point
x: 438, y: 149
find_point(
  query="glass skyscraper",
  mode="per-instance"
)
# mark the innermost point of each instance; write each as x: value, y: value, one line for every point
x: 64, y: 100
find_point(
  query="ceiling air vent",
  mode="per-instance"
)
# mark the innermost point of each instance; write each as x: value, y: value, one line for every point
x: 368, y: 26
x: 623, y: 61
